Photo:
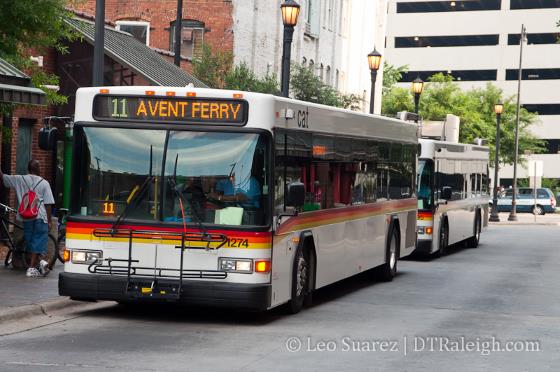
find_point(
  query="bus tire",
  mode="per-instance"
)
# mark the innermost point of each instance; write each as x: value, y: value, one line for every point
x: 443, y: 239
x: 473, y: 241
x: 389, y: 269
x: 300, y: 281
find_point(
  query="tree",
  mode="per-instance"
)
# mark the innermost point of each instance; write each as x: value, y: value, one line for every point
x: 475, y: 107
x: 307, y: 86
x: 211, y: 67
x: 27, y: 25
x: 391, y: 76
x: 242, y: 78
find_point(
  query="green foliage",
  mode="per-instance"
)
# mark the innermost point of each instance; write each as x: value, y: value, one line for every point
x: 211, y: 67
x: 215, y: 69
x: 242, y: 78
x: 37, y: 25
x: 475, y: 107
x: 307, y: 86
x: 391, y: 76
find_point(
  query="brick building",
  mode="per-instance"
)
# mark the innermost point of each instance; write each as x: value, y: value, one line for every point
x: 153, y: 22
x: 127, y: 62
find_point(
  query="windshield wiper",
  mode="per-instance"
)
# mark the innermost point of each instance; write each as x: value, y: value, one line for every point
x: 133, y: 202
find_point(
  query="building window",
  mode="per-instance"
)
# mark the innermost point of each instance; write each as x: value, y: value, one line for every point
x: 534, y: 74
x: 344, y: 18
x: 445, y: 41
x: 336, y: 79
x: 312, y: 65
x: 312, y: 17
x: 138, y: 29
x: 534, y: 4
x: 330, y: 15
x: 192, y: 37
x: 447, y: 6
x: 546, y: 38
x: 544, y: 109
x: 304, y: 62
x: 460, y: 75
x: 328, y: 77
x: 322, y: 72
x: 24, y: 144
x: 552, y: 146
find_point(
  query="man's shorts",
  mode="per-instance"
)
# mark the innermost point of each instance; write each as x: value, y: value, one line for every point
x: 36, y: 234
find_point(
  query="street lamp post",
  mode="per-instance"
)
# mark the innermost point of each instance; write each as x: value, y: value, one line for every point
x: 417, y: 87
x: 513, y: 213
x: 290, y: 12
x: 498, y: 109
x: 374, y: 60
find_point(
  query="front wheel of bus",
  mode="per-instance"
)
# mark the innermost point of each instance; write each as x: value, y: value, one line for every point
x: 300, y: 282
x: 389, y: 269
x: 443, y: 239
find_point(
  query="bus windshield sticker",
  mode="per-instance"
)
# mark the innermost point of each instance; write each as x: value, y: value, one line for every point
x: 170, y: 109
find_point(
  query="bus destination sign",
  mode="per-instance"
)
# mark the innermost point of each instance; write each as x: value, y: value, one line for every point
x: 170, y: 109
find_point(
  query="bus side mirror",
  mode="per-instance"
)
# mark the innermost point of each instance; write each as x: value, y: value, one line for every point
x: 47, y: 138
x: 446, y: 193
x: 296, y: 194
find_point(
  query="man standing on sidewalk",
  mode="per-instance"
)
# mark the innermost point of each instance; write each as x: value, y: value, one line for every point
x: 35, y: 231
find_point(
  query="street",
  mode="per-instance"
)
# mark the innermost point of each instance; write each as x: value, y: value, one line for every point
x: 452, y: 313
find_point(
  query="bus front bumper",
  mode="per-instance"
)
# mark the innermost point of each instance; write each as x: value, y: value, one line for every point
x: 424, y: 246
x: 91, y: 287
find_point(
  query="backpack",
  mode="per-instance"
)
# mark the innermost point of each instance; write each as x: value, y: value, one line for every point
x: 30, y: 202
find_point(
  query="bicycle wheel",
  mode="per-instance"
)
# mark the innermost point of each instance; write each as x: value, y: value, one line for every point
x: 53, y: 252
x: 8, y: 259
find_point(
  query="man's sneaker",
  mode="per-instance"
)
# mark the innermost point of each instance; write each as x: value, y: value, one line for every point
x: 32, y: 273
x: 44, y: 267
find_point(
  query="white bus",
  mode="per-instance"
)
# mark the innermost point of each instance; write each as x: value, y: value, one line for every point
x: 232, y: 199
x: 452, y: 195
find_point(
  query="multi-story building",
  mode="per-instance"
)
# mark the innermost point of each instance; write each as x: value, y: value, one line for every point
x: 478, y: 42
x: 333, y: 36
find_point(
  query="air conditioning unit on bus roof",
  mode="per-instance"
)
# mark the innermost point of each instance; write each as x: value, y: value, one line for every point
x: 447, y: 130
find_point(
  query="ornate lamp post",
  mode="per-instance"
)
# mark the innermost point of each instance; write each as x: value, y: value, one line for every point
x: 417, y: 88
x: 290, y: 12
x: 498, y: 109
x: 374, y: 60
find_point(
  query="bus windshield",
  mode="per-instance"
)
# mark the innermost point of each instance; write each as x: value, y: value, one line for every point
x: 173, y: 176
x: 425, y: 184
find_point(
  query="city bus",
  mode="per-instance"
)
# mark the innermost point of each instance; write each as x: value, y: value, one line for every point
x: 222, y: 198
x: 452, y: 195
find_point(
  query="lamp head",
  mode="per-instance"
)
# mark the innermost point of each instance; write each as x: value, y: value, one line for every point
x: 374, y: 60
x: 290, y: 12
x: 498, y: 108
x: 417, y: 85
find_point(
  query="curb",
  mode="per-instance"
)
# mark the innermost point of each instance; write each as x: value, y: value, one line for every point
x: 43, y: 308
x: 523, y: 223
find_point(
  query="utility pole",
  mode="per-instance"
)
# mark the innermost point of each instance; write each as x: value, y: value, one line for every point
x: 177, y: 33
x: 99, y: 44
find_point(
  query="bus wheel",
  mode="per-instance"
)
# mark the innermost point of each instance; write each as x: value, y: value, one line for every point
x: 472, y: 242
x: 443, y: 239
x: 389, y: 269
x: 300, y: 282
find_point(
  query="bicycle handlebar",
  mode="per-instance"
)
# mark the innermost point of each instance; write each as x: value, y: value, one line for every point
x: 7, y: 208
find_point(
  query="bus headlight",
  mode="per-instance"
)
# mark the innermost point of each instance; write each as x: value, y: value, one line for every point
x: 235, y: 265
x: 86, y: 257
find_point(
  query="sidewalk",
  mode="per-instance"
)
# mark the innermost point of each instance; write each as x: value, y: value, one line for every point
x: 552, y: 219
x: 22, y: 296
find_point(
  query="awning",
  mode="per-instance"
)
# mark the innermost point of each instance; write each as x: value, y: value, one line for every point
x: 22, y: 95
x: 137, y: 56
x: 15, y: 87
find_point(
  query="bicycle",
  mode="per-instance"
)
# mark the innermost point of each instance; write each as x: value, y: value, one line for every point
x: 17, y: 256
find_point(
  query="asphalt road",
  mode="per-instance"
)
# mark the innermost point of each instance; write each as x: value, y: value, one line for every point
x: 453, y: 313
